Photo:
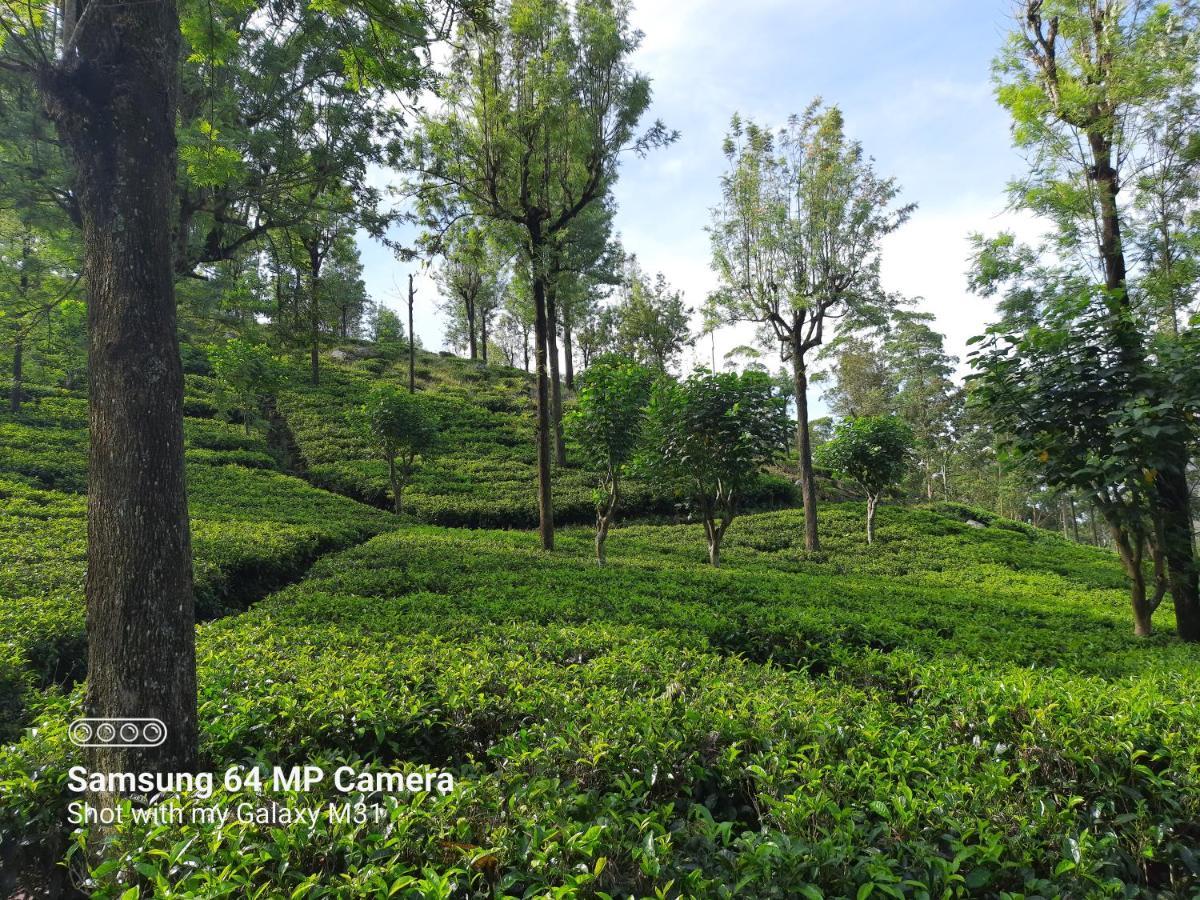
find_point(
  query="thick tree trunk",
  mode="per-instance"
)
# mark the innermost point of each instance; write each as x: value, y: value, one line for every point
x: 114, y: 104
x: 14, y: 393
x: 872, y: 503
x: 1177, y: 548
x: 483, y: 337
x: 808, y: 483
x: 560, y: 446
x: 541, y: 327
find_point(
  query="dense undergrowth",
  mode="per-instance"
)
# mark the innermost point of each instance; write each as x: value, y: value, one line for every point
x: 958, y: 710
x: 954, y: 711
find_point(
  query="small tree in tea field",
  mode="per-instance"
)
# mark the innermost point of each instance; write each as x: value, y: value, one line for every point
x: 709, y: 436
x: 247, y: 374
x: 401, y: 428
x: 871, y: 451
x: 607, y: 425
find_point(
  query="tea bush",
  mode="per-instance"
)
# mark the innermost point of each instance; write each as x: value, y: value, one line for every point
x: 485, y: 476
x: 251, y: 531
x: 47, y: 443
x: 955, y: 711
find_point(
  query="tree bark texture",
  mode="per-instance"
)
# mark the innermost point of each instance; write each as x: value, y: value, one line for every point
x: 1131, y: 552
x: 1177, y: 548
x: 569, y: 356
x: 560, y: 446
x: 113, y: 100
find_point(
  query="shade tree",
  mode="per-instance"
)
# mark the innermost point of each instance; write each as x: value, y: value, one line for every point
x: 708, y: 437
x: 871, y: 451
x: 538, y: 107
x: 1085, y: 82
x: 606, y: 424
x: 795, y: 243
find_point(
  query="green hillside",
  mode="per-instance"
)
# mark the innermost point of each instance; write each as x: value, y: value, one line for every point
x: 484, y: 473
x: 957, y: 710
x: 789, y: 725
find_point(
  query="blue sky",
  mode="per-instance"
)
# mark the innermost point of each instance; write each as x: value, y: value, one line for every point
x: 913, y: 79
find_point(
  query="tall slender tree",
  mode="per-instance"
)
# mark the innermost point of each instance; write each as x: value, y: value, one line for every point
x: 795, y: 243
x: 539, y: 105
x: 1086, y: 81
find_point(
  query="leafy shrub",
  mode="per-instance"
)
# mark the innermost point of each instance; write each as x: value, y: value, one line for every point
x: 251, y: 531
x: 948, y: 716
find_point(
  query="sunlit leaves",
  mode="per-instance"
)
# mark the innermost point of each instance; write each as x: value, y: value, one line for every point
x: 209, y: 160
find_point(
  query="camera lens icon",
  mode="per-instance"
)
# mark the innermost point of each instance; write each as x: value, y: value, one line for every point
x: 117, y: 732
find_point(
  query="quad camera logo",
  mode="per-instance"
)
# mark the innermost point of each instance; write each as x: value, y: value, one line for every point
x: 117, y: 732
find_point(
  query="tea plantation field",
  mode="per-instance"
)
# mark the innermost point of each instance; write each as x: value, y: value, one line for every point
x: 483, y: 475
x: 958, y: 710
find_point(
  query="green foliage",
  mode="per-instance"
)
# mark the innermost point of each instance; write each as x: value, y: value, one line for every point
x: 386, y: 327
x: 401, y: 427
x: 484, y: 475
x: 251, y: 531
x: 873, y: 451
x: 47, y: 441
x: 651, y: 321
x: 776, y: 196
x: 784, y: 726
x: 607, y: 419
x: 399, y: 423
x: 709, y: 436
x: 246, y: 375
x: 606, y: 423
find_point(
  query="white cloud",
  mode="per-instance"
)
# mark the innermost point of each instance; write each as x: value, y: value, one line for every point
x: 928, y: 258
